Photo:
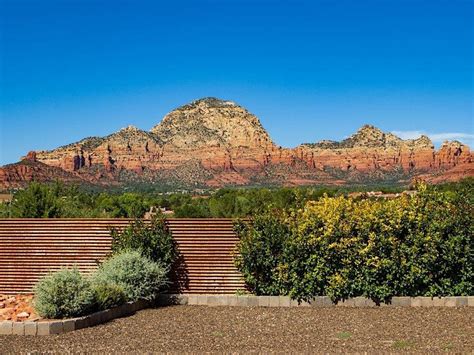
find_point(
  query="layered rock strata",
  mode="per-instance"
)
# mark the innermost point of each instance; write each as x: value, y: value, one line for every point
x: 212, y: 142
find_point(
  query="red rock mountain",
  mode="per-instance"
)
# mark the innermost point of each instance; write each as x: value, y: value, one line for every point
x: 213, y: 143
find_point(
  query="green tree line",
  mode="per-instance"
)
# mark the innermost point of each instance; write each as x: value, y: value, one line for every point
x: 57, y: 200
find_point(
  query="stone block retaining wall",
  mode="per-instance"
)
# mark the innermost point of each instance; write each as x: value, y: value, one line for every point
x: 48, y: 327
x: 321, y: 301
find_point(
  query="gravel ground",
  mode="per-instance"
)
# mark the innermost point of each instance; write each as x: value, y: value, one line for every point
x: 241, y: 329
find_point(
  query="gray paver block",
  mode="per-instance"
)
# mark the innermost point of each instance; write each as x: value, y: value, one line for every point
x: 43, y: 328
x: 212, y: 300
x: 401, y: 301
x: 415, y: 301
x: 252, y: 301
x: 370, y: 303
x: 304, y: 304
x: 461, y: 301
x: 31, y: 328
x: 274, y: 301
x: 350, y: 302
x: 94, y: 319
x: 137, y: 305
x: 264, y: 301
x: 285, y: 301
x: 470, y: 301
x: 132, y: 306
x: 69, y: 325
x: 114, y: 312
x: 192, y: 300
x: 56, y: 327
x: 142, y: 304
x: 106, y: 316
x: 202, y: 300
x: 223, y: 300
x: 18, y: 328
x: 182, y: 299
x: 123, y: 310
x: 438, y: 302
x: 82, y: 322
x: 450, y: 301
x: 6, y: 327
x: 360, y: 301
x: 233, y: 300
x: 321, y: 301
x: 294, y: 303
x: 426, y: 301
x: 242, y: 301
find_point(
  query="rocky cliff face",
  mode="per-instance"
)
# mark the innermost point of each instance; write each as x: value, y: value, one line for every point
x: 371, y: 150
x: 211, y: 142
x: 29, y: 169
x: 220, y: 134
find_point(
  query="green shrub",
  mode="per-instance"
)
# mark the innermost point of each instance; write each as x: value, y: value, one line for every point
x: 153, y: 240
x: 260, y: 251
x: 137, y: 275
x: 65, y: 293
x: 109, y: 295
x: 410, y: 246
x: 37, y: 201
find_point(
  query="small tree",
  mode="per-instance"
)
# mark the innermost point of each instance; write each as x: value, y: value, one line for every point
x: 259, y: 254
x: 37, y: 201
x: 153, y: 240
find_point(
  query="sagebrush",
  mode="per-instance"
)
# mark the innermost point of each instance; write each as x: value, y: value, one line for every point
x: 108, y: 295
x: 137, y: 275
x: 65, y: 293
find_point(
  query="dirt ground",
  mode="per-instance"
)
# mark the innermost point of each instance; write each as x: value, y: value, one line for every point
x: 17, y: 308
x: 241, y: 329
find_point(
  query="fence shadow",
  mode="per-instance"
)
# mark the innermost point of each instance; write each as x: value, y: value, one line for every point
x: 179, y: 275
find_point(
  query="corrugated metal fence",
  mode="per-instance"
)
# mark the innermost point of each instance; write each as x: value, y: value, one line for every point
x: 29, y: 248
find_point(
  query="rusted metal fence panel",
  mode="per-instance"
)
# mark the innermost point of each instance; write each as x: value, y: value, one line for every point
x: 30, y: 248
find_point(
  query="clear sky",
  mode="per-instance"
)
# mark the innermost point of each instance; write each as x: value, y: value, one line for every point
x: 309, y: 70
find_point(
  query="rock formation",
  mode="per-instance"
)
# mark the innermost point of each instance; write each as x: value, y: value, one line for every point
x: 214, y: 143
x: 27, y: 170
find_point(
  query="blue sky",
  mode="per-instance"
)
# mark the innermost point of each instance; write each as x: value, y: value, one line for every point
x: 309, y: 70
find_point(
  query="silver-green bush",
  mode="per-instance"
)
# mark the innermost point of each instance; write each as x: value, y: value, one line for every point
x: 108, y: 295
x: 139, y: 277
x: 65, y: 293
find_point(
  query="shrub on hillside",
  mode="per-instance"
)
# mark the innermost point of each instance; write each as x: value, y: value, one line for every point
x: 65, y: 293
x: 137, y: 275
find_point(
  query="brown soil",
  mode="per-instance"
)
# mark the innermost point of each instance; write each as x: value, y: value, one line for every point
x: 235, y: 329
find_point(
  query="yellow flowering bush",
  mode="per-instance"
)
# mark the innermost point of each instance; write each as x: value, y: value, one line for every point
x: 342, y: 247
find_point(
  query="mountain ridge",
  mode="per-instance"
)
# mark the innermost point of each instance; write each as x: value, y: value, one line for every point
x: 213, y: 143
